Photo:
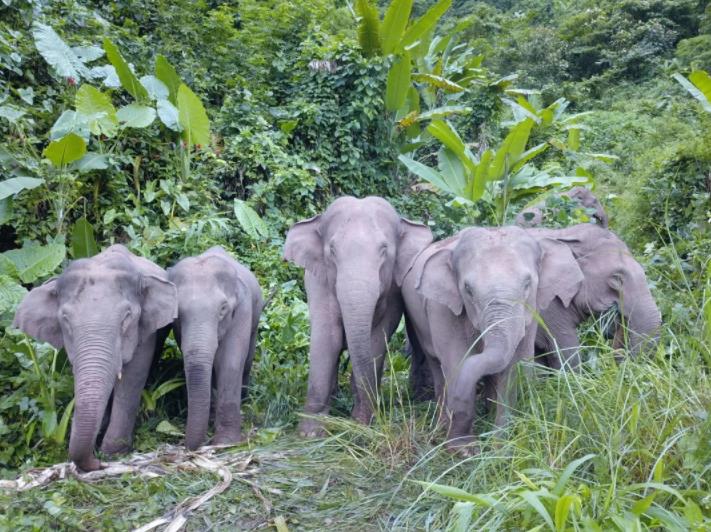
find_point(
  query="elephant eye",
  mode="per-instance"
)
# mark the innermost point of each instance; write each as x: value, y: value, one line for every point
x: 383, y: 249
x: 223, y: 310
x: 126, y: 320
x: 468, y: 289
x: 527, y: 283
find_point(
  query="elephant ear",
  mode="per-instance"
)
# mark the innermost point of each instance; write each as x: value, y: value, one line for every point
x: 304, y: 246
x: 438, y: 283
x: 559, y: 274
x: 37, y: 314
x: 160, y: 303
x: 414, y: 237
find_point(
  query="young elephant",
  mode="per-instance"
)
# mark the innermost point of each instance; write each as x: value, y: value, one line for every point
x: 612, y: 277
x: 475, y: 293
x: 105, y: 311
x: 533, y: 216
x: 219, y: 304
x: 355, y: 255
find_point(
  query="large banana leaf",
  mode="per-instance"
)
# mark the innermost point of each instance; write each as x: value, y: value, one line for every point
x: 398, y: 83
x: 428, y: 174
x: 699, y: 86
x: 445, y: 133
x: 425, y: 23
x: 394, y: 24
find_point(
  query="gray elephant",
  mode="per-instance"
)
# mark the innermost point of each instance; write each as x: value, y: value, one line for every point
x: 475, y: 293
x: 105, y: 311
x: 355, y: 255
x: 219, y: 305
x: 612, y: 277
x: 533, y: 216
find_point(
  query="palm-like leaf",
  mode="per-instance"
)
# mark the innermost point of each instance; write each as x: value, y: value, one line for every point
x: 368, y: 28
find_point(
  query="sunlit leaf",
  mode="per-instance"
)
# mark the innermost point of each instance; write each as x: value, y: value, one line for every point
x: 129, y: 81
x: 166, y: 73
x: 250, y: 221
x: 136, y: 116
x: 65, y: 150
x: 394, y: 24
x: 398, y: 83
x: 425, y: 23
x: 97, y: 108
x: 192, y: 117
x: 33, y: 261
x: 83, y: 241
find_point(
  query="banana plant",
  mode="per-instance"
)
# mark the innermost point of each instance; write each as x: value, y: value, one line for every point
x: 495, y: 176
x: 699, y: 86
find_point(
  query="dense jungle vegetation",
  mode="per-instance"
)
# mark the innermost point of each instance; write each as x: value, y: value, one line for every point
x: 173, y: 126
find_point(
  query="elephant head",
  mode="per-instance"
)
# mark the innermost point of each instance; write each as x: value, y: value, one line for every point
x: 211, y: 297
x: 361, y: 249
x: 497, y: 278
x: 98, y: 309
x: 612, y: 277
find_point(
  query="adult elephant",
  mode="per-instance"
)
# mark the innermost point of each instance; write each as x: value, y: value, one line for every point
x: 612, y: 277
x: 476, y: 293
x: 355, y: 255
x: 533, y: 216
x: 219, y: 304
x: 105, y: 311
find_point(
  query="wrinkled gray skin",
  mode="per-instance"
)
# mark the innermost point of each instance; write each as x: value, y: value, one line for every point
x: 580, y: 194
x: 473, y: 293
x: 105, y: 312
x: 355, y: 255
x: 219, y: 304
x: 611, y: 277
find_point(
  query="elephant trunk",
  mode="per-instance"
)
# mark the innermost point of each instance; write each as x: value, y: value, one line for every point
x: 199, y: 346
x: 95, y: 375
x: 357, y: 298
x: 642, y: 321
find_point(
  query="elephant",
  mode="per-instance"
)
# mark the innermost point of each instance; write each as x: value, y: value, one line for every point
x: 106, y: 311
x: 612, y: 277
x: 533, y: 216
x: 355, y: 255
x: 219, y: 305
x: 477, y: 292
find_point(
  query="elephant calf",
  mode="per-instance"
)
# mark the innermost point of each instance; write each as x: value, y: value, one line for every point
x: 475, y: 293
x: 105, y: 311
x: 219, y: 305
x: 355, y: 255
x: 612, y: 277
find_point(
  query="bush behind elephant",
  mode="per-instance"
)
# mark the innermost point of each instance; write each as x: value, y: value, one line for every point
x: 355, y: 255
x: 219, y: 305
x: 533, y: 216
x: 476, y: 292
x: 106, y: 312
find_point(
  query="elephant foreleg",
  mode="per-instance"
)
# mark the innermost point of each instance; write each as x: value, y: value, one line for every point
x: 127, y: 398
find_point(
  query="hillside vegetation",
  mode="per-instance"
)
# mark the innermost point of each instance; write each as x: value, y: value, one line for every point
x: 173, y: 126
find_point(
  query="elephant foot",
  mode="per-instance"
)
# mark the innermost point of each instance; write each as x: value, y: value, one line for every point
x: 362, y: 415
x: 311, y: 428
x: 464, y: 446
x: 91, y: 463
x: 226, y: 438
x: 111, y: 447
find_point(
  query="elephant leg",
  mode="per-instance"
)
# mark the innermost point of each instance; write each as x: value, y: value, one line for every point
x: 327, y: 342
x: 421, y: 377
x: 230, y: 364
x: 248, y: 364
x: 127, y: 398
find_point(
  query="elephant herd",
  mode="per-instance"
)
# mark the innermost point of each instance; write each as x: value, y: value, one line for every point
x: 474, y: 305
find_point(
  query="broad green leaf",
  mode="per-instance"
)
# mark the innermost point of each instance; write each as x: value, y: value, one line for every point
x: 695, y: 91
x: 451, y: 168
x: 66, y: 150
x: 192, y: 118
x: 250, y: 221
x: 83, y: 241
x: 10, y: 187
x: 481, y: 176
x: 60, y: 433
x: 11, y: 294
x: 135, y: 115
x: 398, y: 83
x: 91, y: 161
x: 438, y: 82
x: 168, y: 114
x: 446, y: 134
x: 425, y: 172
x: 394, y: 24
x: 70, y: 122
x: 157, y: 90
x: 166, y: 427
x: 11, y: 113
x: 521, y: 112
x: 528, y: 155
x: 57, y: 53
x: 27, y: 95
x: 33, y: 261
x: 562, y: 509
x: 425, y: 23
x: 107, y: 75
x: 97, y: 108
x: 511, y: 148
x: 87, y: 54
x: 702, y: 81
x: 573, y: 139
x: 166, y: 73
x: 443, y: 112
x: 368, y: 28
x: 129, y: 81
